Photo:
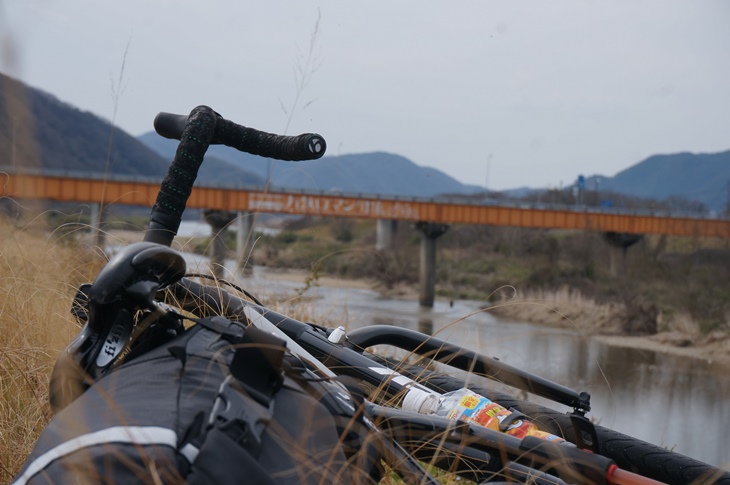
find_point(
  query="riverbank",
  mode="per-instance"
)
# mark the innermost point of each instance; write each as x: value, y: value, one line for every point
x: 560, y: 308
x: 712, y: 349
x: 604, y: 323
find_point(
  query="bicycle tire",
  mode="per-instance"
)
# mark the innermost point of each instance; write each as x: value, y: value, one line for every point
x: 629, y: 453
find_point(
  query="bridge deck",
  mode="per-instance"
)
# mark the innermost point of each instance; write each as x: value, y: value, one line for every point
x: 143, y: 193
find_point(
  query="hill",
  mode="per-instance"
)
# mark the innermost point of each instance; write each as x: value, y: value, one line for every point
x: 38, y: 131
x: 371, y: 173
x: 702, y: 177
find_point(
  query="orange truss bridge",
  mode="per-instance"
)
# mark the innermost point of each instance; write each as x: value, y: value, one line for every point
x: 142, y: 192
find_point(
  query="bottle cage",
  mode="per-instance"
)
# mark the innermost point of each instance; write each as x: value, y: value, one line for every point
x: 127, y: 283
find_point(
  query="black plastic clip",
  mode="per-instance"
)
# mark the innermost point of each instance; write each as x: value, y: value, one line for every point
x: 243, y: 420
x: 586, y: 437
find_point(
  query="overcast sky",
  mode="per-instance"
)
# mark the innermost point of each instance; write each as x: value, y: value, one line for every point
x: 508, y: 93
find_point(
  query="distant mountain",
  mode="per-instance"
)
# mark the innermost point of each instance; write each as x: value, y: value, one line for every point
x: 703, y: 177
x: 38, y: 131
x: 370, y: 173
x: 374, y: 173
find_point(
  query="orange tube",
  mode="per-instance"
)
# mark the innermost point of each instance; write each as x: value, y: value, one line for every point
x: 617, y: 476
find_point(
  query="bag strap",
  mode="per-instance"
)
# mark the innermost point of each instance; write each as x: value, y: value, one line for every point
x: 256, y: 372
x: 255, y: 348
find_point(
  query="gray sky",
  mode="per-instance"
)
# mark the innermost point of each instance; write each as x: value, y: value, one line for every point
x: 546, y: 90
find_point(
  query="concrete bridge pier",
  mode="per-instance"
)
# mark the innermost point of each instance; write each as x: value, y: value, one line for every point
x: 385, y: 234
x: 620, y: 242
x: 96, y: 224
x: 427, y: 270
x: 219, y: 221
x: 244, y: 242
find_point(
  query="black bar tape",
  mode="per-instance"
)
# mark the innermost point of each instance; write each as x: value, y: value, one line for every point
x: 178, y: 183
x: 308, y: 146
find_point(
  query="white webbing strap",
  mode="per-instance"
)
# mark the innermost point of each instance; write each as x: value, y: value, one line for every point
x: 138, y: 435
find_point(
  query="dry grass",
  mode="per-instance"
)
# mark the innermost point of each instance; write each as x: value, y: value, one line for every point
x: 567, y: 307
x: 562, y: 308
x: 678, y: 334
x: 38, y: 278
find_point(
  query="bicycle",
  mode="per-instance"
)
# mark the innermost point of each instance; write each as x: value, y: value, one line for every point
x: 141, y: 300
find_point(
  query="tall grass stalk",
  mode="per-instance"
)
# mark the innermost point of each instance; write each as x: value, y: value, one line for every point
x: 117, y: 88
x: 305, y: 67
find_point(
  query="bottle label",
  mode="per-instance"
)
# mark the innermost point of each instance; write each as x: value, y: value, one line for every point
x: 470, y: 402
x: 480, y: 410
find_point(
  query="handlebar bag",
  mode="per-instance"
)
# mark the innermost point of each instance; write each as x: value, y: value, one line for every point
x: 221, y: 403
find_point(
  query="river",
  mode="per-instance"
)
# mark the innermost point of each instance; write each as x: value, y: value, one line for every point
x: 678, y: 402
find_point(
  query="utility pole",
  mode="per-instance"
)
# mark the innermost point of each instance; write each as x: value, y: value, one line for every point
x: 486, y: 185
x: 12, y: 160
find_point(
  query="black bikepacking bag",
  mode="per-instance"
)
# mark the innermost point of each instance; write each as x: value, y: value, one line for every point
x: 212, y: 406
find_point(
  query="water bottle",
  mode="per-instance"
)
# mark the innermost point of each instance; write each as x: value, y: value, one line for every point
x: 466, y: 405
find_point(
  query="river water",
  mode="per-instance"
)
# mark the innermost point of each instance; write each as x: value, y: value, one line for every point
x: 674, y: 401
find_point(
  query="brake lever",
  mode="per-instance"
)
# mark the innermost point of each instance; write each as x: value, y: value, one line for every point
x: 108, y: 307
